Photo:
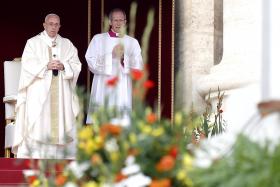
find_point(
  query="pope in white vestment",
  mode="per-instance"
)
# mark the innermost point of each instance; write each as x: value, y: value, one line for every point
x: 47, y: 105
x: 106, y: 65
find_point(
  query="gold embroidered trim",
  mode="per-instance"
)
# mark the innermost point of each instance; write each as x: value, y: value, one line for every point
x: 54, y: 91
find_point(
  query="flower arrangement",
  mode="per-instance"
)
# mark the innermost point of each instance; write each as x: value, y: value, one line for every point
x: 157, y: 146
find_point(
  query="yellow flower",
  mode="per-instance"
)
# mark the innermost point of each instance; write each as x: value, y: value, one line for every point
x: 115, y: 156
x: 184, y: 178
x: 82, y: 145
x: 178, y: 118
x: 181, y: 175
x: 188, y: 182
x: 36, y: 183
x: 147, y: 129
x: 158, y: 131
x: 90, y: 146
x: 90, y: 184
x: 85, y: 133
x: 144, y: 127
x: 98, y: 140
x: 126, y: 145
x: 141, y: 124
x: 148, y: 110
x: 133, y: 138
x: 187, y: 161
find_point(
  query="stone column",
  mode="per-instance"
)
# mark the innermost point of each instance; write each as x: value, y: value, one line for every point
x: 195, y: 48
x: 241, y: 60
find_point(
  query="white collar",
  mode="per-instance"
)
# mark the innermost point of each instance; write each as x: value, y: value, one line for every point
x: 51, y: 42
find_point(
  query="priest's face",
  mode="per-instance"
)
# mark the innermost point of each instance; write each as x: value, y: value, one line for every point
x: 52, y: 25
x: 117, y: 22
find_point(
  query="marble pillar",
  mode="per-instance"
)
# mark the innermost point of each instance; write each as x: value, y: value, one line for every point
x: 241, y: 61
x: 197, y: 47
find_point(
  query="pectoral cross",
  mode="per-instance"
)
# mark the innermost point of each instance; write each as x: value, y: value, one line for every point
x: 54, y: 43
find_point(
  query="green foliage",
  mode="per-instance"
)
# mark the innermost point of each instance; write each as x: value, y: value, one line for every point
x: 212, y: 122
x: 249, y: 165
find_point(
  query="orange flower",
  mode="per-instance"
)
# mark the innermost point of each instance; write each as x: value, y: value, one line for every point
x: 60, y: 180
x: 31, y: 179
x: 149, y: 84
x: 111, y: 129
x: 119, y: 177
x: 136, y: 74
x: 112, y: 82
x: 151, y: 118
x: 96, y: 159
x: 166, y: 163
x: 133, y: 152
x: 161, y: 183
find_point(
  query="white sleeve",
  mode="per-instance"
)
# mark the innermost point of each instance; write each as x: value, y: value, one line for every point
x: 97, y: 62
x: 136, y: 61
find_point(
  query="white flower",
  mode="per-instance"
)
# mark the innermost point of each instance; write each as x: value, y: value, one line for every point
x: 78, y: 169
x: 138, y: 180
x: 70, y: 184
x: 111, y: 145
x: 30, y: 172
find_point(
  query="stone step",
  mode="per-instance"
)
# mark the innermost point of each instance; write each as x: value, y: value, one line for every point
x: 11, y: 170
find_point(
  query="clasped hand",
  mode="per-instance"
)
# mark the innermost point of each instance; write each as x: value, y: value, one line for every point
x: 55, y: 64
x: 118, y: 51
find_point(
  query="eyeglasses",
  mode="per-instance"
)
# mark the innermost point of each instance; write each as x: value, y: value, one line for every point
x: 118, y: 20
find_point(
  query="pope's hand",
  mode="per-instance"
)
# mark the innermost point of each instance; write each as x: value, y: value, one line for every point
x: 55, y: 64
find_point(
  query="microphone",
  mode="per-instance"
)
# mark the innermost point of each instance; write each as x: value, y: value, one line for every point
x: 122, y: 61
x: 54, y: 71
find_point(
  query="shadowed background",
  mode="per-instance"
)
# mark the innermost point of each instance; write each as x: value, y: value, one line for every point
x: 21, y: 20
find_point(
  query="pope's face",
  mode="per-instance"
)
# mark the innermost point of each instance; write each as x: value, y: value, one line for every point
x: 52, y: 26
x: 118, y: 21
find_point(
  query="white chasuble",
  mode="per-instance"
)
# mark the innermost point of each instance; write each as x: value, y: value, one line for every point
x: 105, y: 66
x: 46, y: 106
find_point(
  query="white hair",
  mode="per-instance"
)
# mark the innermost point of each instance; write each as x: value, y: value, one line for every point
x: 116, y: 10
x: 51, y: 15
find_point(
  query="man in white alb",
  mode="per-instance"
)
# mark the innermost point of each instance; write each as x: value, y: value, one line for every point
x: 111, y: 56
x: 47, y: 105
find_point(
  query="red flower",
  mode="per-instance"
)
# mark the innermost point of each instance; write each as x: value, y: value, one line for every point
x: 136, y: 74
x: 112, y: 82
x: 119, y: 177
x: 173, y: 151
x: 31, y: 179
x: 149, y: 84
x: 59, y: 167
